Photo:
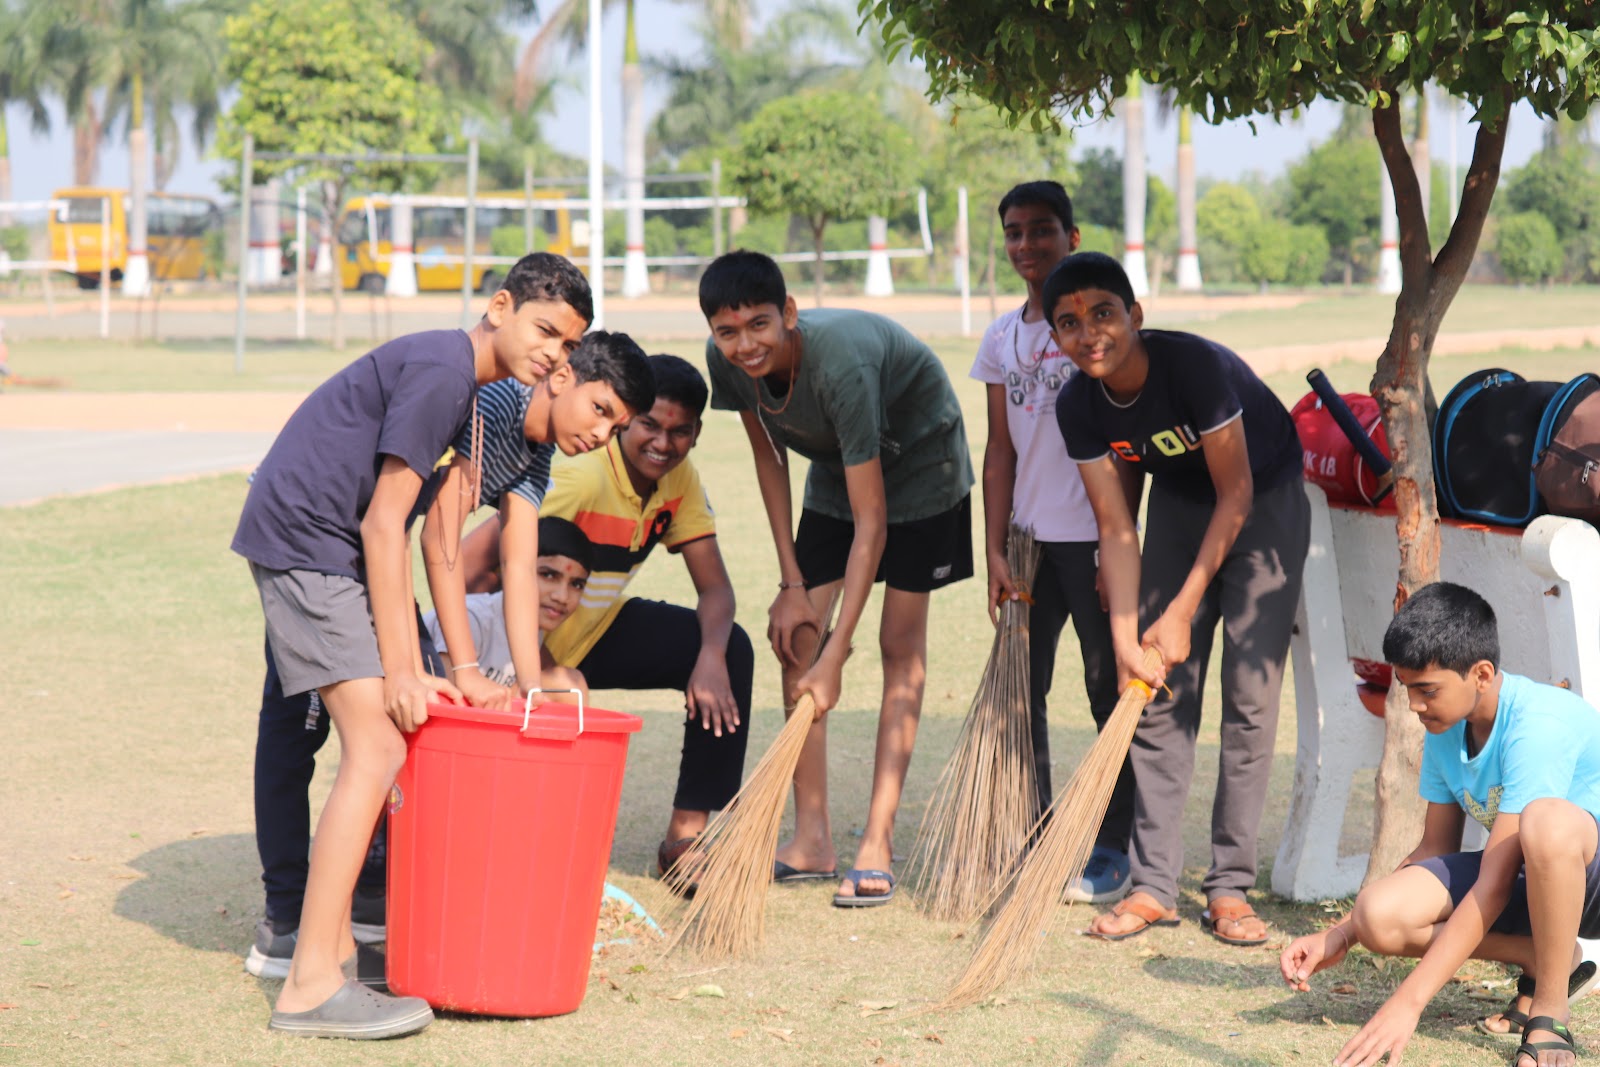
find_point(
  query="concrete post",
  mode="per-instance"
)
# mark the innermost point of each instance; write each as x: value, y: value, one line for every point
x: 879, y: 281
x: 402, y: 259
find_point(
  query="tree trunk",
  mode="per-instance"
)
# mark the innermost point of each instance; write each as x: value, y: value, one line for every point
x: 1428, y: 285
x: 86, y: 142
x: 989, y: 269
x: 1422, y: 157
x: 818, y: 225
x: 635, y: 274
x: 5, y: 167
x: 332, y: 198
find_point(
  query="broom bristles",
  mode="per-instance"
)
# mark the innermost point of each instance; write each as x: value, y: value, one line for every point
x: 985, y: 802
x: 727, y: 917
x: 1011, y: 943
x: 732, y: 862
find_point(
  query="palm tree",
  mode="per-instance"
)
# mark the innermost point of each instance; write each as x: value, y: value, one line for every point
x: 24, y: 75
x: 1133, y: 187
x: 1188, y: 240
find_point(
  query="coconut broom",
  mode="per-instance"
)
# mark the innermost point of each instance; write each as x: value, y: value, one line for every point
x: 1059, y: 856
x: 726, y: 918
x: 985, y: 802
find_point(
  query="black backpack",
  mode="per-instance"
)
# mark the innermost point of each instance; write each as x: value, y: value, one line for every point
x: 1492, y: 430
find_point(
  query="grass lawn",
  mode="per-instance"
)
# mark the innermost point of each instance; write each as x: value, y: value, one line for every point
x: 129, y: 885
x: 1329, y: 316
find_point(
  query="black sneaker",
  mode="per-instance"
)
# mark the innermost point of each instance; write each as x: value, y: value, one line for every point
x: 270, y: 956
x: 369, y: 916
x: 272, y: 953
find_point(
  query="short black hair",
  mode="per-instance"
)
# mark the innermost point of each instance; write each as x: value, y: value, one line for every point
x: 742, y: 278
x: 546, y: 276
x: 1047, y: 193
x: 1443, y: 625
x: 563, y: 537
x: 615, y: 359
x: 1085, y: 270
x: 681, y: 382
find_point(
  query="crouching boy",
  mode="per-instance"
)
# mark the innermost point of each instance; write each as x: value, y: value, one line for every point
x: 1524, y: 760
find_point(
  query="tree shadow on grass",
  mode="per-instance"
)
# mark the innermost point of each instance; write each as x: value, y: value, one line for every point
x: 1105, y: 1046
x: 1190, y: 970
x: 202, y: 892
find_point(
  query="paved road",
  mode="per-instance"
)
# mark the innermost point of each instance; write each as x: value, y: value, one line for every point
x: 35, y: 464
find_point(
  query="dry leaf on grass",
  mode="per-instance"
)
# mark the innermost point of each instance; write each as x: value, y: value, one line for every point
x: 1344, y: 989
x: 680, y: 994
x: 709, y: 990
x: 735, y: 1035
x: 1485, y: 995
x: 786, y: 1036
x: 935, y: 1038
x: 1328, y: 1022
x: 875, y: 1007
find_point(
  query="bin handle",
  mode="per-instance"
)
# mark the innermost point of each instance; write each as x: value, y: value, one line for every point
x: 551, y: 733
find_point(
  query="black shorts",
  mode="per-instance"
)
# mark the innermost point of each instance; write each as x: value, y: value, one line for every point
x: 918, y: 556
x: 1458, y: 870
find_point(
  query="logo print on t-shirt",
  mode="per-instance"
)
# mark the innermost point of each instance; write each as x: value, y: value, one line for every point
x: 1485, y: 814
x: 1173, y: 442
x: 1037, y: 378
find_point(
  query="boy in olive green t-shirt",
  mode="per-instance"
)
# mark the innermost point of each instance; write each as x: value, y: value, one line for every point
x: 887, y: 499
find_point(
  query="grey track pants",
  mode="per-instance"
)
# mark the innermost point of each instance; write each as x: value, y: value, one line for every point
x: 1254, y: 596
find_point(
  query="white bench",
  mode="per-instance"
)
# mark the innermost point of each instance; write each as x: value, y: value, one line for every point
x: 1544, y: 585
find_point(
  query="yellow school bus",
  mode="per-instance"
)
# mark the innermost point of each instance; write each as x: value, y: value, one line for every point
x: 438, y: 238
x: 177, y: 225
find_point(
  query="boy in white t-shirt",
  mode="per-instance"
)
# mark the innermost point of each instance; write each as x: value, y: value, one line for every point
x: 566, y: 556
x: 1029, y: 481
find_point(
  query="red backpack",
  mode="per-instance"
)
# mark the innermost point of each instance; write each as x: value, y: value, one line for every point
x: 1332, y: 459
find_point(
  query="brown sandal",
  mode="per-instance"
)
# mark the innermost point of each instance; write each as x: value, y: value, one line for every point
x: 1142, y: 906
x: 1233, y: 913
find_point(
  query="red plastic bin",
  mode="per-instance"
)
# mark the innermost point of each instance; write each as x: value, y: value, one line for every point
x: 500, y: 828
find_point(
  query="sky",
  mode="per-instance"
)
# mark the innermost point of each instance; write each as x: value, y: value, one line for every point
x: 41, y: 164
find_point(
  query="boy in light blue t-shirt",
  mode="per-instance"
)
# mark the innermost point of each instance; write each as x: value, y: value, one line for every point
x: 1523, y: 759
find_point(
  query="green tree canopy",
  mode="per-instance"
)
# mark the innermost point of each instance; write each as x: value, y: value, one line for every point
x: 1528, y: 247
x: 333, y: 77
x: 1335, y: 186
x: 823, y: 157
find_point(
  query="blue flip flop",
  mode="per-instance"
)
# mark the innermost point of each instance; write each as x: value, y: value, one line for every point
x: 871, y: 900
x: 785, y: 874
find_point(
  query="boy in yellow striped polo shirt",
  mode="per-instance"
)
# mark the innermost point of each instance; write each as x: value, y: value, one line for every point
x: 641, y: 491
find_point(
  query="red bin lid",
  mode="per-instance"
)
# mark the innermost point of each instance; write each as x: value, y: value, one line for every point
x: 548, y: 719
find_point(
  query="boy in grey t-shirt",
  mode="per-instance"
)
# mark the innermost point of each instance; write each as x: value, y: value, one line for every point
x: 887, y: 499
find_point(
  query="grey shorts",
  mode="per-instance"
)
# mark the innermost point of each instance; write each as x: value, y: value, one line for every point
x: 319, y: 627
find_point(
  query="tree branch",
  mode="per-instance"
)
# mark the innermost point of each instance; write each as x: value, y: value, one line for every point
x: 1483, y: 176
x: 1416, y: 255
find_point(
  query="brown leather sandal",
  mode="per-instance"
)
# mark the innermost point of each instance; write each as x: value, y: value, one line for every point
x: 1142, y: 906
x: 1230, y: 914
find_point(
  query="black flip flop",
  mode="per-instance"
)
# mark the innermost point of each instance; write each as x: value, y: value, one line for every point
x: 1531, y: 1049
x: 784, y: 874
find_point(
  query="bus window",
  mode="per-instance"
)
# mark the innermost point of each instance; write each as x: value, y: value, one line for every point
x: 82, y: 209
x: 353, y: 228
x: 437, y: 223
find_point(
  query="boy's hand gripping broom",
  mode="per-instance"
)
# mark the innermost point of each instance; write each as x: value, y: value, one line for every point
x: 986, y: 801
x: 733, y: 860
x: 1059, y: 855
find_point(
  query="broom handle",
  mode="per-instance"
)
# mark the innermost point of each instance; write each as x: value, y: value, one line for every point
x: 1137, y: 691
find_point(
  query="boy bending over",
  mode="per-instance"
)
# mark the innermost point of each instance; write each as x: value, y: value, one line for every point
x: 887, y: 500
x: 1524, y: 760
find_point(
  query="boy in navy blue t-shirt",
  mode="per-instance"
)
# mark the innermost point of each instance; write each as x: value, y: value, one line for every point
x: 326, y: 530
x: 1523, y: 759
x: 1226, y: 535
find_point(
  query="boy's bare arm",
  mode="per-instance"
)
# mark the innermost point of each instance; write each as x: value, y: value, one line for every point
x: 1228, y: 460
x: 480, y: 556
x: 1119, y: 564
x: 442, y: 561
x: 791, y: 608
x: 1388, y: 1031
x: 386, y: 550
x: 999, y: 485
x: 710, y: 694
x: 519, y: 579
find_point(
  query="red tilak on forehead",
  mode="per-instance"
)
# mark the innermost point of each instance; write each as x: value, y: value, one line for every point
x: 1078, y: 305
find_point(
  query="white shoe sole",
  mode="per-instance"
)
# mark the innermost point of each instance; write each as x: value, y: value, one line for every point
x: 264, y: 966
x: 1581, y: 985
x: 369, y: 934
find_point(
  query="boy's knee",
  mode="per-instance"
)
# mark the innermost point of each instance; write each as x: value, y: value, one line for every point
x: 1379, y: 924
x: 1551, y: 827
